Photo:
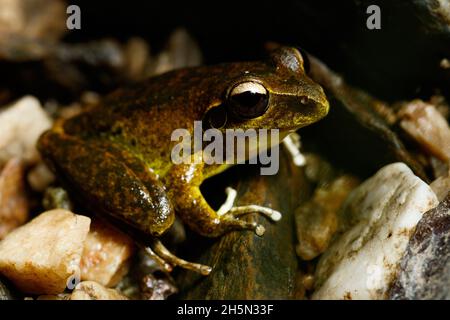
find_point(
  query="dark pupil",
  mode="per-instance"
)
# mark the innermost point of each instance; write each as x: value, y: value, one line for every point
x: 249, y: 104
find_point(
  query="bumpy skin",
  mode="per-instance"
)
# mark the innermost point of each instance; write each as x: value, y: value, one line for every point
x: 116, y: 156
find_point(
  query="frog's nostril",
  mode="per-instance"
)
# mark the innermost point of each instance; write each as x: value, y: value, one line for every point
x: 304, y: 100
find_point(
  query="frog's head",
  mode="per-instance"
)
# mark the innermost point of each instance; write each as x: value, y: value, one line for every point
x: 271, y: 94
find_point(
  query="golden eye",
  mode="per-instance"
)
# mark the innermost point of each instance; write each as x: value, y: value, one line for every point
x: 248, y: 100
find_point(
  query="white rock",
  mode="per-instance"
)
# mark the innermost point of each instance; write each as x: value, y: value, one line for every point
x: 21, y: 124
x: 381, y: 215
x: 42, y: 255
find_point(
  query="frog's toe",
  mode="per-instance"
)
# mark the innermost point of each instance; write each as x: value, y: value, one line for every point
x: 230, y: 222
x: 270, y: 213
x: 227, y: 207
x: 165, y: 255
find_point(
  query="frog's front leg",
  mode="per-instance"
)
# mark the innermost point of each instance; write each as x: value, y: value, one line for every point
x: 184, y: 182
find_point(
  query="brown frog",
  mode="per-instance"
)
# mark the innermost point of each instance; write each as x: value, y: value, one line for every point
x: 116, y: 156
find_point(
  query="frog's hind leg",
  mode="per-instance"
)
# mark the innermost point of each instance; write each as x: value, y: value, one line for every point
x: 109, y: 180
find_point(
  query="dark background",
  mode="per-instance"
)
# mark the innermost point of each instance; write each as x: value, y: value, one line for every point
x: 400, y: 61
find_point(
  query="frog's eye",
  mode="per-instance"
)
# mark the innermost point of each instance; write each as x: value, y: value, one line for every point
x: 248, y: 100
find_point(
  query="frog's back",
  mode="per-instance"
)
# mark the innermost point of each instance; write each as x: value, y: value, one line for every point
x: 142, y: 117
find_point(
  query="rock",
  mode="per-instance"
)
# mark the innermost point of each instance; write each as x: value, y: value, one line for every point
x: 32, y: 19
x: 153, y: 288
x: 57, y: 198
x: 5, y: 293
x: 40, y: 256
x: 426, y: 125
x: 181, y: 51
x: 62, y: 296
x: 317, y: 219
x: 246, y: 266
x: 106, y: 254
x: 135, y: 284
x: 40, y: 177
x: 441, y: 186
x: 14, y: 203
x: 90, y: 290
x: 137, y: 58
x: 380, y: 216
x: 21, y: 124
x: 425, y: 267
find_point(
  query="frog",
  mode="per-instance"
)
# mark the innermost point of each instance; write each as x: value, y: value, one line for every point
x: 115, y: 156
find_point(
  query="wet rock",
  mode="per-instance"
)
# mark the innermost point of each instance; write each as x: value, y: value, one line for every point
x: 106, y: 254
x: 380, y: 216
x: 246, y: 266
x: 41, y: 256
x: 425, y: 267
x: 426, y: 125
x: 317, y: 219
x: 14, y: 203
x: 19, y: 133
x: 90, y: 290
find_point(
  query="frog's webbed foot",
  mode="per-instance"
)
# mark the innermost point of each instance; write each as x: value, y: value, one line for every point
x: 167, y: 259
x: 228, y: 211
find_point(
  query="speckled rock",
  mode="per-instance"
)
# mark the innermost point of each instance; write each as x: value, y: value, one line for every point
x: 425, y: 268
x: 380, y: 216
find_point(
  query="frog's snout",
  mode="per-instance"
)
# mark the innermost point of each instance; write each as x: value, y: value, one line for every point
x: 316, y: 102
